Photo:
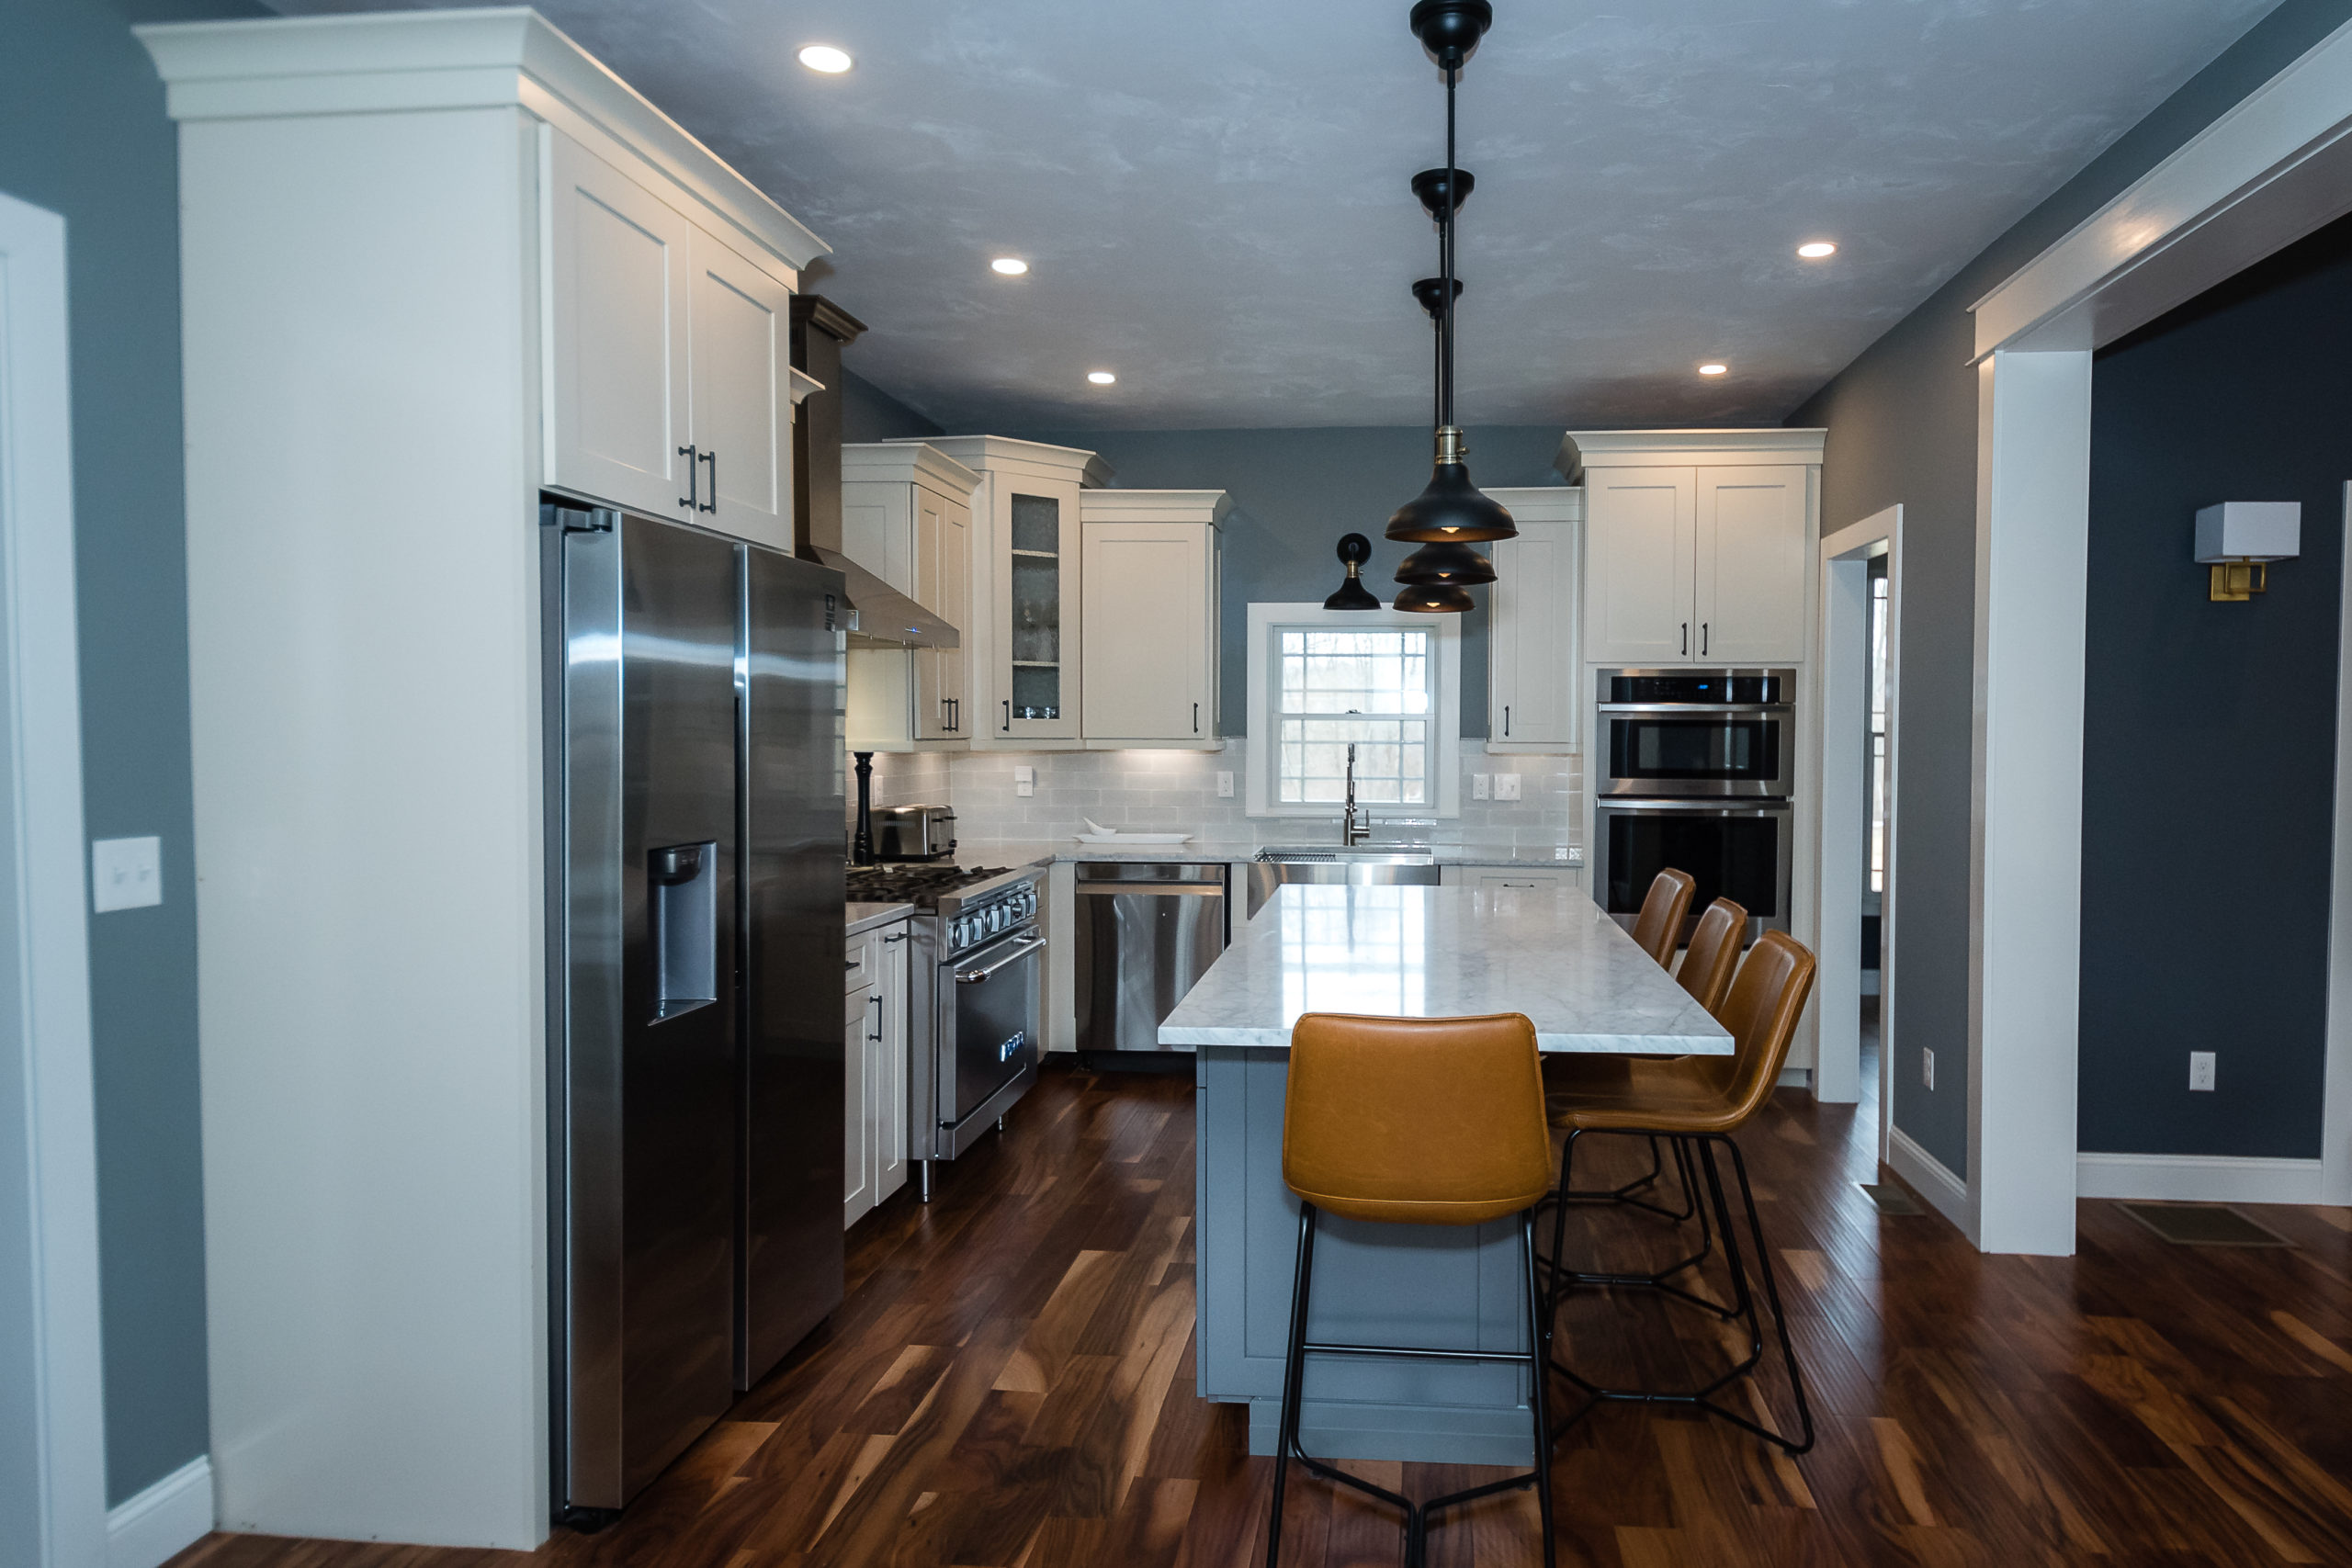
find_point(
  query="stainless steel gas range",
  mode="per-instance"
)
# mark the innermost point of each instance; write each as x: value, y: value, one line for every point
x: 978, y: 995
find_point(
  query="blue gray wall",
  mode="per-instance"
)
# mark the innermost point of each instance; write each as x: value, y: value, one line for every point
x: 1902, y: 423
x: 2213, y: 727
x: 82, y: 133
x: 1295, y: 493
x: 869, y: 413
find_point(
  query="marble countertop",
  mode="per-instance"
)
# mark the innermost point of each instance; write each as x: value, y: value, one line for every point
x: 1443, y: 952
x: 1019, y: 852
x: 864, y: 916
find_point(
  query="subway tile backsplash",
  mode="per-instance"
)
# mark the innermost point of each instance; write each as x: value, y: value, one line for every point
x: 1176, y: 792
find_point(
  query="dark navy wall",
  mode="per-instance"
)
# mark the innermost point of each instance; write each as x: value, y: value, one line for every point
x: 869, y: 413
x: 2210, y: 729
x: 82, y: 133
x: 1295, y: 493
x: 1902, y: 424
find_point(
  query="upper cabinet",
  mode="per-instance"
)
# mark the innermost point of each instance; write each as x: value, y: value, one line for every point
x: 907, y: 517
x: 1533, y: 612
x: 1699, y: 543
x: 670, y: 383
x: 1148, y: 581
x: 1021, y: 644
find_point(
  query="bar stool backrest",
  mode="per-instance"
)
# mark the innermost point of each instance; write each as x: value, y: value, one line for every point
x: 1415, y: 1121
x: 1658, y: 928
x: 1761, y: 1014
x: 1713, y: 956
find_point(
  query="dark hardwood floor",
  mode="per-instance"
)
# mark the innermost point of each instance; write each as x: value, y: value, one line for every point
x: 1010, y: 1383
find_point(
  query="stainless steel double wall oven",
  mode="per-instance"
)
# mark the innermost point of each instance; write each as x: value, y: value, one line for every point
x: 1695, y: 769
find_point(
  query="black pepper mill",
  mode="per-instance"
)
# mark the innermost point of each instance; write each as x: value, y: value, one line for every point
x: 861, y: 846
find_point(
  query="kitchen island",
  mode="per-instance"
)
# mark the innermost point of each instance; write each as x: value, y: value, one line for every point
x: 1401, y: 952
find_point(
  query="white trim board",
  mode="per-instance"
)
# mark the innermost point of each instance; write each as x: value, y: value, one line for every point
x: 1932, y: 1179
x: 2199, y: 1178
x: 162, y: 1521
x: 52, y: 1321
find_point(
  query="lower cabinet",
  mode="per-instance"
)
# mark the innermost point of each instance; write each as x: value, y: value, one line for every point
x: 874, y: 1021
x: 1497, y: 879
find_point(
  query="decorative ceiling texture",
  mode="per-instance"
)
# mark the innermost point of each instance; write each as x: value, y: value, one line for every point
x: 1213, y: 196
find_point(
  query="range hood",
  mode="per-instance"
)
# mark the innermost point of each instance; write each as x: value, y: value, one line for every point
x: 879, y: 613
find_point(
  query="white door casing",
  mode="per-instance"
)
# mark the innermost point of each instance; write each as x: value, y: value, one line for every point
x: 50, y: 1370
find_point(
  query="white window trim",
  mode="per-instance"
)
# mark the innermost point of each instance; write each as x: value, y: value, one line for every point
x: 1445, y: 720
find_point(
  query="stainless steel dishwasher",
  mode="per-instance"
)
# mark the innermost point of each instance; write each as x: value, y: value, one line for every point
x: 1146, y: 932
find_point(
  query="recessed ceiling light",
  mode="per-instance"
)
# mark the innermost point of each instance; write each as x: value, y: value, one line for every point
x: 1101, y: 377
x: 1011, y: 266
x: 1711, y: 368
x: 1814, y: 250
x: 825, y: 57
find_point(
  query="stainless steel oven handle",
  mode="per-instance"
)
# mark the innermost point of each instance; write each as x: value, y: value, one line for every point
x: 974, y: 977
x: 1696, y: 710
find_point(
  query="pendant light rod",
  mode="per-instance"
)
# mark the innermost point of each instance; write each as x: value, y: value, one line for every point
x: 1446, y: 263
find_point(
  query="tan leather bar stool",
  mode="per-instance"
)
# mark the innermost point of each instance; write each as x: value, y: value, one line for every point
x: 1420, y: 1122
x: 1657, y: 930
x: 1708, y: 964
x: 1700, y: 1102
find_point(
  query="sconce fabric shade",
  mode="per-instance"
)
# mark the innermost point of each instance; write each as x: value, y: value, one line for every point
x: 2249, y: 530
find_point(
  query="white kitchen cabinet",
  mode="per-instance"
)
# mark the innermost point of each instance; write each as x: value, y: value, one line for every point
x: 874, y: 1036
x: 398, y: 318
x: 670, y: 381
x: 1508, y: 879
x: 1697, y: 544
x: 1022, y: 647
x: 1533, y: 660
x: 1148, y: 577
x: 907, y: 517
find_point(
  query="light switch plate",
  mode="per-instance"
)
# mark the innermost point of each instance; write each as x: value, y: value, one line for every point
x: 1024, y: 780
x: 2200, y: 1071
x: 1506, y: 786
x: 1224, y: 786
x: 1928, y: 1067
x: 1482, y: 786
x: 126, y: 873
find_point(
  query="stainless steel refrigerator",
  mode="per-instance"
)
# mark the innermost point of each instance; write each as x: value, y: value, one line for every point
x: 695, y: 849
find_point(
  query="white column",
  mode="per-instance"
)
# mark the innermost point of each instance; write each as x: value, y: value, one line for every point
x: 2033, y: 528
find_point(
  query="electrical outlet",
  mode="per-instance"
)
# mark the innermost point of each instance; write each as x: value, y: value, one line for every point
x: 1482, y: 786
x: 1024, y: 781
x: 2200, y: 1071
x: 1928, y: 1067
x: 126, y: 873
x: 1559, y: 852
x: 1224, y: 786
x: 1506, y: 786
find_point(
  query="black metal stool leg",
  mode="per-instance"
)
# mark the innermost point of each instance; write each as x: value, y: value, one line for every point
x: 1294, y: 1375
x: 1772, y: 1300
x: 1538, y: 1375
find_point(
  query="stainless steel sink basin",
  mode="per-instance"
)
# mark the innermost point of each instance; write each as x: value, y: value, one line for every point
x: 1361, y: 865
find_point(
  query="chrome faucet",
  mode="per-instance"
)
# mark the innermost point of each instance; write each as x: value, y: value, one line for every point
x: 1355, y: 823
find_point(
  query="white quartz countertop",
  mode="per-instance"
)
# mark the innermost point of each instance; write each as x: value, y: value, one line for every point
x: 1443, y: 952
x: 865, y: 915
x: 1014, y: 853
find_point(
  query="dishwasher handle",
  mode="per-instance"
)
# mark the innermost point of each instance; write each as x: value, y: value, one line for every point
x: 1152, y: 889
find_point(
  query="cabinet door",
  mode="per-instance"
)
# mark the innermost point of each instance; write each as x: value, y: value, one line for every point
x: 859, y: 1007
x: 1037, y: 627
x: 877, y: 532
x: 887, y: 1098
x: 942, y: 701
x: 619, y: 265
x: 1640, y: 527
x: 1753, y: 551
x: 1531, y: 648
x: 1148, y: 643
x: 741, y: 418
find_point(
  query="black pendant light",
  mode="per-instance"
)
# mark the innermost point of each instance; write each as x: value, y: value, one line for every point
x: 1453, y: 513
x: 1354, y: 550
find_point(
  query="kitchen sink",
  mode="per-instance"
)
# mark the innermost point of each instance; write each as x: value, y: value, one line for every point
x: 1359, y: 865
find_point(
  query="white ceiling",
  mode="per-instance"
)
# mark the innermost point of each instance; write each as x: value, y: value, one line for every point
x: 1213, y: 195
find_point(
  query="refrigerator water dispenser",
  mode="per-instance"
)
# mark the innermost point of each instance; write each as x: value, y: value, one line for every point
x: 683, y: 888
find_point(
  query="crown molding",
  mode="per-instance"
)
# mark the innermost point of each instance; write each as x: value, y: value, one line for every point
x: 509, y: 57
x: 986, y: 452
x: 907, y: 462
x: 1580, y: 449
x: 1207, y: 506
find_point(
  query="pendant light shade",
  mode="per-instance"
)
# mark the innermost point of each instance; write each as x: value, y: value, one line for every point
x: 1434, y: 601
x: 1354, y: 550
x: 1445, y: 565
x: 1452, y: 511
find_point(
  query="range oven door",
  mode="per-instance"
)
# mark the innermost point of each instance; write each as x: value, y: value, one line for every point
x: 1740, y: 851
x: 1674, y: 748
x: 989, y: 1045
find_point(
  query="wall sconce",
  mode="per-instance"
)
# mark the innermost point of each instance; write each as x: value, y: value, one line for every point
x: 1354, y: 550
x: 2239, y: 539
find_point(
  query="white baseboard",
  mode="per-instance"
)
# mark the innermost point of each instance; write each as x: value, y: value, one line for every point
x: 2206, y: 1178
x: 1933, y: 1180
x: 1796, y: 1078
x: 162, y: 1521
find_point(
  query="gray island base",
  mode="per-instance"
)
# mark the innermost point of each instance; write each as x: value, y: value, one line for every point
x: 1404, y: 952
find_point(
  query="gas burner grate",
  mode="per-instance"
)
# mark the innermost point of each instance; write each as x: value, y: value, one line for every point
x: 920, y: 885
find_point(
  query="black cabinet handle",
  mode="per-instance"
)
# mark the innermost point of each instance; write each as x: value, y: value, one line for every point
x: 874, y: 1003
x: 1703, y: 639
x: 1007, y: 715
x: 693, y: 472
x: 1506, y: 721
x: 1685, y: 639
x: 712, y: 504
x: 1196, y: 718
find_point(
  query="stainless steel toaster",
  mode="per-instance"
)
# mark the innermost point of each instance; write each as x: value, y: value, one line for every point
x: 914, y: 832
